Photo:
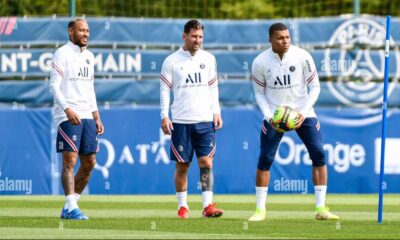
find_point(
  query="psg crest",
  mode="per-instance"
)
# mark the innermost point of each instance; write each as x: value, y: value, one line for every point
x: 356, y: 59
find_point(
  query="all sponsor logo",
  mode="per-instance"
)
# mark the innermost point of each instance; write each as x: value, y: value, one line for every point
x: 196, y: 78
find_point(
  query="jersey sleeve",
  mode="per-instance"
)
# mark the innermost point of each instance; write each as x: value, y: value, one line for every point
x: 56, y: 77
x: 259, y: 85
x: 165, y: 87
x: 212, y: 74
x: 213, y: 84
x: 93, y: 100
x: 310, y: 75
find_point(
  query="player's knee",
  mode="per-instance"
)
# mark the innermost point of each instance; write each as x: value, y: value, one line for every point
x: 205, y: 162
x: 69, y: 165
x: 69, y: 160
x: 182, y: 168
x: 89, y: 163
x: 264, y: 163
x: 317, y: 158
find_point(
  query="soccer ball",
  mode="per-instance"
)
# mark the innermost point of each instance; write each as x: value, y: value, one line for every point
x: 285, y: 118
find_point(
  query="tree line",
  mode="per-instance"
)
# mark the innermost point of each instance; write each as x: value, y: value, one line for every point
x: 210, y: 9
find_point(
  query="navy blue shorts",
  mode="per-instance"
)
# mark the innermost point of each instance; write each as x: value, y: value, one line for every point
x: 187, y: 138
x: 80, y: 138
x: 309, y: 133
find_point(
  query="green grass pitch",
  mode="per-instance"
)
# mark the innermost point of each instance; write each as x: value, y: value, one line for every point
x: 154, y: 216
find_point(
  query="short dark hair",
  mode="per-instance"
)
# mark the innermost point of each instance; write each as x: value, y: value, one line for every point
x: 73, y: 21
x: 193, y: 24
x: 277, y: 27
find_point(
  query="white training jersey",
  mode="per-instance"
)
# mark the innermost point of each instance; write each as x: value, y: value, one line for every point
x: 72, y: 82
x: 292, y: 81
x: 194, y: 84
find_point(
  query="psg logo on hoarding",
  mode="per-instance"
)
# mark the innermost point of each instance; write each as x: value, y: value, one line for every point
x: 356, y: 60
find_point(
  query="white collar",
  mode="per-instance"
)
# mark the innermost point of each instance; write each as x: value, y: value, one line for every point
x: 276, y: 55
x: 187, y: 53
x: 76, y: 48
